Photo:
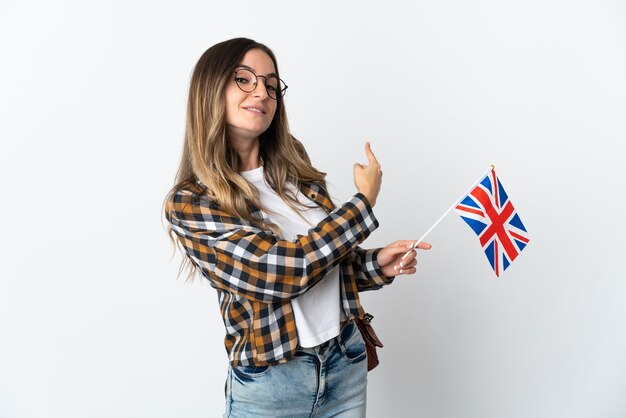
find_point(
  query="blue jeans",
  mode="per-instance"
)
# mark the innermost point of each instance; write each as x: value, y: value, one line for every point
x: 323, y: 381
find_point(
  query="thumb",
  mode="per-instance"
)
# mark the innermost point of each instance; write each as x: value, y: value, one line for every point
x: 368, y: 151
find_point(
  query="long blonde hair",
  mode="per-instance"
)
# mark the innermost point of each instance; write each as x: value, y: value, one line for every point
x: 207, y: 155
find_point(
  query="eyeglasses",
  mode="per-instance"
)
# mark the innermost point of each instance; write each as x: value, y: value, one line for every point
x: 246, y: 80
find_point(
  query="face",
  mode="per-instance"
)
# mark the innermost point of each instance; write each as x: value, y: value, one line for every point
x: 250, y: 114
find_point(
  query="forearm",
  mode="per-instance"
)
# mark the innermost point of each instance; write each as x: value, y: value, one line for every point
x: 258, y: 265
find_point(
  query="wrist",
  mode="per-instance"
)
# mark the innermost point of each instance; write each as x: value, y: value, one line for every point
x: 371, y: 199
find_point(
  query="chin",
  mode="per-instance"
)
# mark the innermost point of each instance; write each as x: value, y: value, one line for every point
x: 247, y: 131
x: 258, y: 130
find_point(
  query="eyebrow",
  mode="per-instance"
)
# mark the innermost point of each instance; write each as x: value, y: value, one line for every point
x: 254, y: 71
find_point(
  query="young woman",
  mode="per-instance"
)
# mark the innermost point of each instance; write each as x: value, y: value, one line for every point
x: 253, y: 215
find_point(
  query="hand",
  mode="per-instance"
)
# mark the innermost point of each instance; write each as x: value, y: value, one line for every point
x: 390, y: 258
x: 368, y: 177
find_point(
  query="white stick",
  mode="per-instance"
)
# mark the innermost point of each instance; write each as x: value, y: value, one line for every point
x: 418, y: 242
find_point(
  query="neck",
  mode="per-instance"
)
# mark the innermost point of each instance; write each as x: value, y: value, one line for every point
x: 248, y: 152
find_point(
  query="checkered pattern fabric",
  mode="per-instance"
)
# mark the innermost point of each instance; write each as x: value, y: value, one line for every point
x: 256, y: 273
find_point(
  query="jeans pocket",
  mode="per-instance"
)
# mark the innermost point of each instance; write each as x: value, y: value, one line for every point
x: 353, y: 346
x: 247, y: 373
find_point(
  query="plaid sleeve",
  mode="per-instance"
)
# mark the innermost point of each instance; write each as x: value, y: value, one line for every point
x: 368, y: 272
x: 256, y: 264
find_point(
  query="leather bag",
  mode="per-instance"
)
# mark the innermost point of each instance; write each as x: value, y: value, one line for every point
x: 370, y: 338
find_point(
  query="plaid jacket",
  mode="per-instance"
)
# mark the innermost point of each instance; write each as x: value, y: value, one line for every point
x: 256, y: 273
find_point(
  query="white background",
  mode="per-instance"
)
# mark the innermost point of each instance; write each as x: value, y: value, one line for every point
x: 93, y: 322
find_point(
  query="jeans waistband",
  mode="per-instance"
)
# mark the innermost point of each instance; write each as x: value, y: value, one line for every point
x: 323, y: 346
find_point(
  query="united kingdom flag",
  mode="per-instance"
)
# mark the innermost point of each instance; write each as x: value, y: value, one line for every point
x: 488, y: 210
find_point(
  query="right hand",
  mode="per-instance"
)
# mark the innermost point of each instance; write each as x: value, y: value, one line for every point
x: 368, y: 177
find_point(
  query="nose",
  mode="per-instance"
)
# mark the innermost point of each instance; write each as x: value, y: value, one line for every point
x: 260, y: 90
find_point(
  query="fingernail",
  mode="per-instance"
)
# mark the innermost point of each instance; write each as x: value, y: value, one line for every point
x: 400, y: 271
x: 395, y: 268
x: 401, y: 263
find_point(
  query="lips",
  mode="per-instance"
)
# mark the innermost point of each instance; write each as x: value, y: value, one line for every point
x: 255, y: 109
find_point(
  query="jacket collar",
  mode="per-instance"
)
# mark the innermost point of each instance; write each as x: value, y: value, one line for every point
x: 316, y: 193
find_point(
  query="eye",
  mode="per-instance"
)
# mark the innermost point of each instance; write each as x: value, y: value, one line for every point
x: 271, y: 84
x: 241, y: 80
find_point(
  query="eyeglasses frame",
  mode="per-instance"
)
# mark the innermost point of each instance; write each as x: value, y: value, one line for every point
x: 256, y: 77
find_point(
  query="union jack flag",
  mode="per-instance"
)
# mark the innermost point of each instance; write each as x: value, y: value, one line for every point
x: 488, y: 210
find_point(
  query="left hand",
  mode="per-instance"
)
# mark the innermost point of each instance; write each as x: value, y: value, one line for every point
x: 390, y: 258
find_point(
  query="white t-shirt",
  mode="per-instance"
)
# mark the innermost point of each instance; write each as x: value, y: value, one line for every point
x: 318, y: 311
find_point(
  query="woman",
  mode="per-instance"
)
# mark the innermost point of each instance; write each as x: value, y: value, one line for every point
x: 254, y: 217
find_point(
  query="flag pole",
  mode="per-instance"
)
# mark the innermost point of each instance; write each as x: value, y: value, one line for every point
x: 418, y: 242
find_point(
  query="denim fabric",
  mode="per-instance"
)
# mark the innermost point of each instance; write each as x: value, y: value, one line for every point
x: 323, y: 381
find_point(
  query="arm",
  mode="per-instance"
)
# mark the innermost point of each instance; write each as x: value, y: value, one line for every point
x: 254, y: 263
x: 368, y: 272
x: 378, y: 267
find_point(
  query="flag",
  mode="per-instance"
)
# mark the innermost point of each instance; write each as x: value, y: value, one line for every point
x: 488, y: 210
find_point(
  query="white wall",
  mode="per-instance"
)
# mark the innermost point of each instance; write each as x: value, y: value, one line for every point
x: 93, y: 322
